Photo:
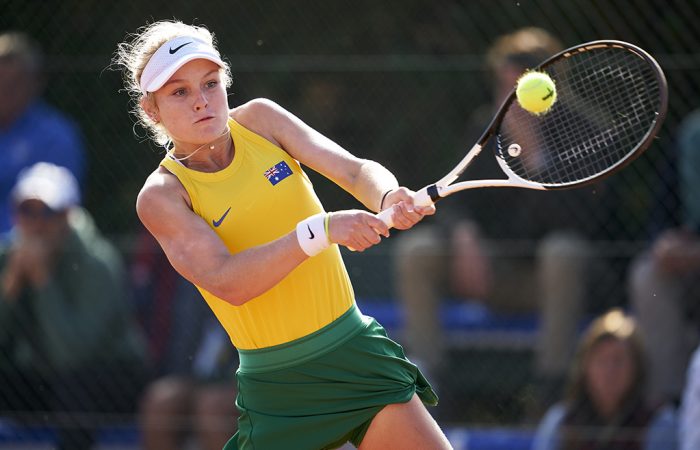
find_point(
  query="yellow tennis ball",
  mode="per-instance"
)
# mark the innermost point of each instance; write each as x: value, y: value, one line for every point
x: 536, y: 92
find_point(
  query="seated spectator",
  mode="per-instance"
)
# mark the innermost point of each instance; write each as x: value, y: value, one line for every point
x: 199, y: 406
x: 193, y: 397
x: 689, y: 431
x: 605, y: 407
x: 30, y: 130
x: 69, y: 347
x: 664, y: 282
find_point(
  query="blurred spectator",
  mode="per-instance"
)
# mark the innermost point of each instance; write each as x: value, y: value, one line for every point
x: 193, y: 396
x: 170, y: 310
x: 68, y: 341
x: 534, y: 241
x: 689, y: 431
x: 605, y: 406
x: 665, y: 281
x: 199, y: 406
x: 30, y: 130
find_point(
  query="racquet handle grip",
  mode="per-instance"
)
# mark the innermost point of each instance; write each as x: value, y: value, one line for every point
x: 421, y: 198
x: 385, y: 216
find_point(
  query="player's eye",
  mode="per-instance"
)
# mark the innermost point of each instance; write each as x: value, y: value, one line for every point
x: 180, y: 92
x: 211, y: 84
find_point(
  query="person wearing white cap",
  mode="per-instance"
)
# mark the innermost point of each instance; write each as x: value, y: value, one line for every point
x: 237, y: 216
x: 70, y: 345
x: 42, y: 198
x: 53, y: 185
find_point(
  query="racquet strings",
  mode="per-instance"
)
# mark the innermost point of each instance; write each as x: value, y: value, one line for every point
x: 608, y: 100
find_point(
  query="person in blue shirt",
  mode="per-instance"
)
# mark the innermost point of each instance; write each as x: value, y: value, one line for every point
x: 31, y: 131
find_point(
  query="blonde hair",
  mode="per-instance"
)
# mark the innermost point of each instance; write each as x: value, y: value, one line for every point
x: 133, y: 55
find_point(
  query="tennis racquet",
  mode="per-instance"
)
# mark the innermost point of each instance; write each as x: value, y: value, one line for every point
x: 611, y: 101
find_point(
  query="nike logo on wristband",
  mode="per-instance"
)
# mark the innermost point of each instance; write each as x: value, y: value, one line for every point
x: 174, y: 50
x: 311, y: 233
x: 216, y: 223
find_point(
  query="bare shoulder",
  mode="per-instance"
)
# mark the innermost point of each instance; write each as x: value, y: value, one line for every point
x: 254, y: 109
x: 161, y: 192
x: 260, y: 115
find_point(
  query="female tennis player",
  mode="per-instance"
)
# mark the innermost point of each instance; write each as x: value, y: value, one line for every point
x: 238, y: 217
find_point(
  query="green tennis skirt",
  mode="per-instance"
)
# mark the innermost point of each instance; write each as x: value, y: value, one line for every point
x: 322, y: 390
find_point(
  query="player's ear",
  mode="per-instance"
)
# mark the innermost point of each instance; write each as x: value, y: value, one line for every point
x: 150, y: 108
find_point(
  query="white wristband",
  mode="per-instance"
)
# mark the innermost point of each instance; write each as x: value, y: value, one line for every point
x: 311, y: 234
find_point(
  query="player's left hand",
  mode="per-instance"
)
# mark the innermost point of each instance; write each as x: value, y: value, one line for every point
x: 358, y: 230
x: 405, y: 214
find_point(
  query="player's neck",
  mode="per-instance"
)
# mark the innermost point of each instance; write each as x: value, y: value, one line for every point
x: 210, y: 157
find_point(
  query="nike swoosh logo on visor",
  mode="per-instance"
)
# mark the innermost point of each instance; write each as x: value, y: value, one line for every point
x: 311, y: 233
x: 174, y: 50
x: 216, y: 223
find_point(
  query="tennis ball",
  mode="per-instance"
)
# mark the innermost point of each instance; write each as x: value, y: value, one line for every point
x: 536, y: 92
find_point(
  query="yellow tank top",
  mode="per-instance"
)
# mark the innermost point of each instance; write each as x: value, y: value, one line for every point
x: 258, y: 198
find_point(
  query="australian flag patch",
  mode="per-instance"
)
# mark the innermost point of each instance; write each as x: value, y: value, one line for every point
x: 277, y: 173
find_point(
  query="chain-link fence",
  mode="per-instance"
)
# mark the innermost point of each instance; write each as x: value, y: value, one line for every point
x: 405, y: 83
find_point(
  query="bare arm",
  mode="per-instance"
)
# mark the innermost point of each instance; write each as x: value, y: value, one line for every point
x: 366, y: 180
x: 200, y: 256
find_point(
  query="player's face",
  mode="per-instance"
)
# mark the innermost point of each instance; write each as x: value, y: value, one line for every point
x: 610, y: 372
x: 192, y: 105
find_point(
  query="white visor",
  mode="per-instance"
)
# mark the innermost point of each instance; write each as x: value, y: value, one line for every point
x: 172, y: 55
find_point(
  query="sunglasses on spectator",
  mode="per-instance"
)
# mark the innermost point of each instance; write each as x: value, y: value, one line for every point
x: 35, y: 211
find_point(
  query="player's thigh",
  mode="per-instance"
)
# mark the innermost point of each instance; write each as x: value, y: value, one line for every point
x: 404, y: 426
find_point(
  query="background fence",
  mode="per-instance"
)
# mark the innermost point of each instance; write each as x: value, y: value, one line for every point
x: 398, y: 82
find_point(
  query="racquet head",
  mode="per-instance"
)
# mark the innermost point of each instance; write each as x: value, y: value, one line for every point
x: 611, y: 100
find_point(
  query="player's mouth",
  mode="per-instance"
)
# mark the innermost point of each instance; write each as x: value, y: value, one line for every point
x: 205, y: 119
